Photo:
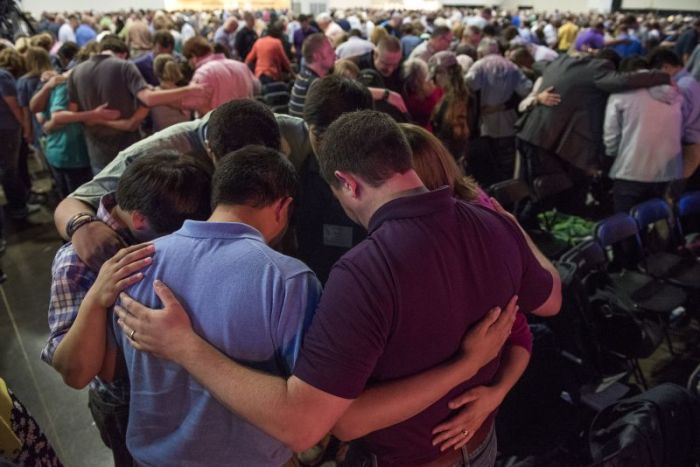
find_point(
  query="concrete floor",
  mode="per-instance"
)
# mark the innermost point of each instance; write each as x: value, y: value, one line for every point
x: 60, y: 410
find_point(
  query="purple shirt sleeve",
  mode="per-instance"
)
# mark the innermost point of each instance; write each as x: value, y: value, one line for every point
x: 536, y: 282
x: 520, y: 334
x: 347, y: 335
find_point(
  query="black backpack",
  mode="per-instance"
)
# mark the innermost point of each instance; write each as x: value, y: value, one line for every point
x: 658, y: 428
x: 621, y: 327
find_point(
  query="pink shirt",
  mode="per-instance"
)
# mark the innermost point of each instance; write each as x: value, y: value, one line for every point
x: 484, y: 199
x: 228, y: 79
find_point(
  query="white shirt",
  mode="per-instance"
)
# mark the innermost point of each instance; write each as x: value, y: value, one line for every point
x: 187, y: 32
x: 550, y: 35
x: 353, y: 47
x: 333, y: 32
x: 66, y: 33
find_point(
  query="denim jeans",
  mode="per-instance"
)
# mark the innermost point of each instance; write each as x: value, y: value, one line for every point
x: 69, y: 180
x: 10, y: 177
x: 628, y: 193
x: 483, y: 456
x: 111, y: 419
x: 491, y: 160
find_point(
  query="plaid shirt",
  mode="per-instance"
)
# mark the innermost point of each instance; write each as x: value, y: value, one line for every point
x: 71, y: 280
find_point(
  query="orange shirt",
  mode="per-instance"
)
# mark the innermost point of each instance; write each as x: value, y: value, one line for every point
x: 269, y: 57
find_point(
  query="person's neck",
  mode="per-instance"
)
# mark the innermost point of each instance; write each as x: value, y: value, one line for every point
x: 253, y: 217
x: 202, y: 59
x: 317, y: 68
x: 398, y: 186
x: 124, y: 218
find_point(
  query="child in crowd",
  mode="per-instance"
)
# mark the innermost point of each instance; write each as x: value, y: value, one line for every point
x: 154, y: 197
x: 170, y: 76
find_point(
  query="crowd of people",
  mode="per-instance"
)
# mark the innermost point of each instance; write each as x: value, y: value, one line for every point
x: 180, y: 187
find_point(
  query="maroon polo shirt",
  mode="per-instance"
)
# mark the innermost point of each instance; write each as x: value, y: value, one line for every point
x: 401, y: 301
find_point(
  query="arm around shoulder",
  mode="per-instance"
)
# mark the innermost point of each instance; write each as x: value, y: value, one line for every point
x: 612, y: 81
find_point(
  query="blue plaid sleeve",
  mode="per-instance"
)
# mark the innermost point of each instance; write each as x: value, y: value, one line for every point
x: 70, y: 281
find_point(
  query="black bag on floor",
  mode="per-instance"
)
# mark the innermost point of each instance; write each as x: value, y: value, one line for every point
x: 621, y: 328
x: 658, y: 428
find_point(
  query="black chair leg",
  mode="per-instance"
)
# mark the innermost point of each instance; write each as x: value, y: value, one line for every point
x: 669, y: 342
x: 637, y: 372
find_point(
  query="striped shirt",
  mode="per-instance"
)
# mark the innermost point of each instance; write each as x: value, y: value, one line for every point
x: 301, y: 87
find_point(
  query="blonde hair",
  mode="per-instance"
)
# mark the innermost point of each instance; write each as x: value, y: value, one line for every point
x: 378, y: 33
x: 12, y: 61
x: 87, y: 51
x: 43, y: 40
x: 435, y: 165
x: 167, y: 69
x: 346, y: 68
x: 37, y: 61
x: 22, y: 44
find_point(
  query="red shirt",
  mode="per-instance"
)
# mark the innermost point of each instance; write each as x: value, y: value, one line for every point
x: 269, y: 57
x: 422, y: 108
x: 400, y: 302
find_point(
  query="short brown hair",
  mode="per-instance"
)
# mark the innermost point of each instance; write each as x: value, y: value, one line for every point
x: 389, y: 44
x: 366, y: 143
x: 197, y: 47
x: 311, y: 45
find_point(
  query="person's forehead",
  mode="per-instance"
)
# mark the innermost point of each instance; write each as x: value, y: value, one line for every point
x: 389, y: 56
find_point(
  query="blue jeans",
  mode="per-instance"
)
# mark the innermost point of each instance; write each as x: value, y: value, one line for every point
x: 628, y: 193
x: 483, y: 456
x: 10, y: 175
x: 111, y: 418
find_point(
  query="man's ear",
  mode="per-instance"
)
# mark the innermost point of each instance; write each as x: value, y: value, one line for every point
x: 210, y: 153
x: 281, y: 207
x: 348, y: 183
x: 139, y: 221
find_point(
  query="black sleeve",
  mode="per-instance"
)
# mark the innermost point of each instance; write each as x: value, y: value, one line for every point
x: 608, y: 80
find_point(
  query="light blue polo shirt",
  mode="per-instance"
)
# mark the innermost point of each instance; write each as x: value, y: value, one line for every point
x: 252, y: 303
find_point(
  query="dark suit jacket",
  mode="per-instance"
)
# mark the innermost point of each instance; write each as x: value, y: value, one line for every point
x: 574, y: 128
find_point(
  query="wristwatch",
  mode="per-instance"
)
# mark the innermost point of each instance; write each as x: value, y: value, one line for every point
x: 79, y: 220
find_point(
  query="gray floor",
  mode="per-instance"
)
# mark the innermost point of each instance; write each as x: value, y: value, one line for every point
x: 61, y: 411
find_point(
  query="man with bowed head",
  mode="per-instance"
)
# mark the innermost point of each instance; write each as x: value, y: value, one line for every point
x: 375, y: 323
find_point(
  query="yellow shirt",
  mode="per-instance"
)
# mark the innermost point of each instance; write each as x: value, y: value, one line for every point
x: 10, y: 444
x: 567, y: 35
